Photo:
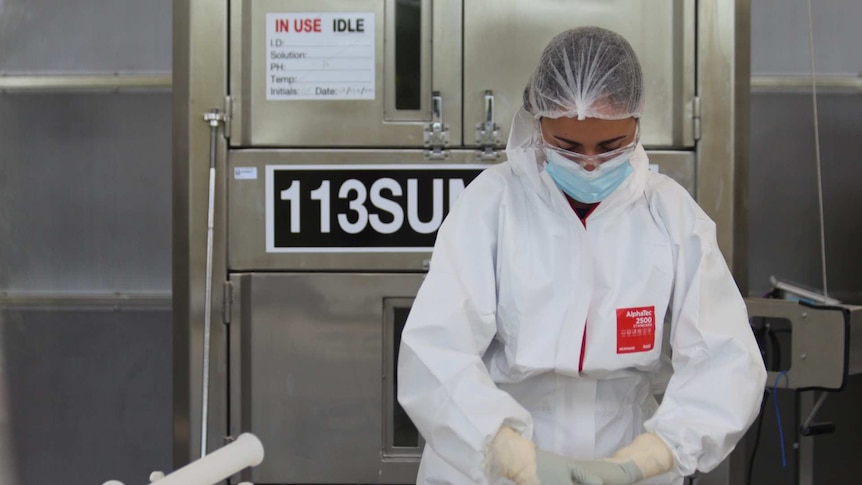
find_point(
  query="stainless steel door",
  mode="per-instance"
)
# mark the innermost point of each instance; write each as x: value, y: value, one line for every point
x: 312, y: 374
x: 503, y: 45
x: 343, y: 73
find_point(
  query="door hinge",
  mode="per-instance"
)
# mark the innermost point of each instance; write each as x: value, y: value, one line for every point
x: 227, y: 301
x: 228, y: 116
x: 436, y: 132
x: 487, y: 131
x: 695, y: 117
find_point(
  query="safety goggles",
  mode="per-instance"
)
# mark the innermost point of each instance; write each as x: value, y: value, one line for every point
x: 590, y: 161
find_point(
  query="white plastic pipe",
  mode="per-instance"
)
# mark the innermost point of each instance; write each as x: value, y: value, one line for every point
x: 246, y: 451
x: 219, y: 465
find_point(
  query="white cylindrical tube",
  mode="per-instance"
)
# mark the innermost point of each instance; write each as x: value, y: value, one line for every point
x: 246, y: 451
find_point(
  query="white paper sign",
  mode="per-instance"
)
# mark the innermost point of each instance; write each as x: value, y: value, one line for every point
x: 320, y: 56
x: 245, y: 173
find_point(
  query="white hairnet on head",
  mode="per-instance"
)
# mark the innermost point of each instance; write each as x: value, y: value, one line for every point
x: 588, y: 72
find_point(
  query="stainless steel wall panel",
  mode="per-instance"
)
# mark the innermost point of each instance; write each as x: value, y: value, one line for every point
x: 311, y: 378
x: 87, y: 393
x: 84, y: 184
x: 779, y: 31
x: 503, y: 45
x: 785, y: 227
x: 723, y: 67
x: 85, y: 36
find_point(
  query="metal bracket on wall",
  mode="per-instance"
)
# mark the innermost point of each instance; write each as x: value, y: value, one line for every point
x: 487, y: 131
x: 436, y: 132
x: 214, y: 118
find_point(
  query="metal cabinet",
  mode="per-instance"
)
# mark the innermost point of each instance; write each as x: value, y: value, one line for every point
x: 371, y: 84
x: 341, y: 115
x: 313, y: 376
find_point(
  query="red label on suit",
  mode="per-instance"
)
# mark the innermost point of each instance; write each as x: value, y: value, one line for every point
x: 635, y: 329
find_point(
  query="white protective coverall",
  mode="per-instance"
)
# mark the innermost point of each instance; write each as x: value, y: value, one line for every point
x: 523, y: 321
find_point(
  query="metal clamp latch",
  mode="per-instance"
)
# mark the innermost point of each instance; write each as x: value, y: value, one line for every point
x: 436, y: 132
x: 214, y: 118
x: 487, y: 132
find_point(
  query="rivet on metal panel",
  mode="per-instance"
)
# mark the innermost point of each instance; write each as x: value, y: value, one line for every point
x: 803, y: 356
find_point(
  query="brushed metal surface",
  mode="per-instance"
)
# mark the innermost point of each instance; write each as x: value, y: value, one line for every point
x: 85, y: 36
x: 84, y: 180
x: 502, y: 47
x: 817, y: 346
x: 85, y: 83
x: 723, y: 151
x: 199, y: 85
x: 345, y: 123
x: 308, y: 375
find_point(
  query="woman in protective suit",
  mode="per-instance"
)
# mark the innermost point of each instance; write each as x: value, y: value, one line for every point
x: 534, y: 348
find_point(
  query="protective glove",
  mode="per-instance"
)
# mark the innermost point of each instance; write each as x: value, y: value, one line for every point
x: 553, y: 469
x: 647, y: 456
x: 514, y: 457
x: 603, y: 472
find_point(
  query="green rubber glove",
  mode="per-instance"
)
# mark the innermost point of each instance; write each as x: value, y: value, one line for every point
x: 609, y: 472
x: 553, y: 469
x: 647, y: 456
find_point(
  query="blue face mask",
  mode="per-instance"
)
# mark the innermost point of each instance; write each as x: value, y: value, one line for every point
x: 586, y: 186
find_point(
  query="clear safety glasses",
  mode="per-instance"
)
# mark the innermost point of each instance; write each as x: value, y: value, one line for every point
x: 589, y: 161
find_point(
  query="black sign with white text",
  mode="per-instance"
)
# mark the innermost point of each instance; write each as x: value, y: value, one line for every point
x: 360, y: 208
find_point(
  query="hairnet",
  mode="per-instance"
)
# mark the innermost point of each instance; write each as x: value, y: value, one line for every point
x: 588, y: 72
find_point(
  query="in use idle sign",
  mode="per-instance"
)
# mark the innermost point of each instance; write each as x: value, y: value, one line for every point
x: 360, y: 208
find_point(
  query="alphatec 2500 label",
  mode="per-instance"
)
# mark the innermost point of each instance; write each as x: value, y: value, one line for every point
x: 360, y: 208
x: 327, y: 55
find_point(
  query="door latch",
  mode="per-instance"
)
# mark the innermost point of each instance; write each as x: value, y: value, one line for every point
x: 487, y: 131
x: 436, y: 132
